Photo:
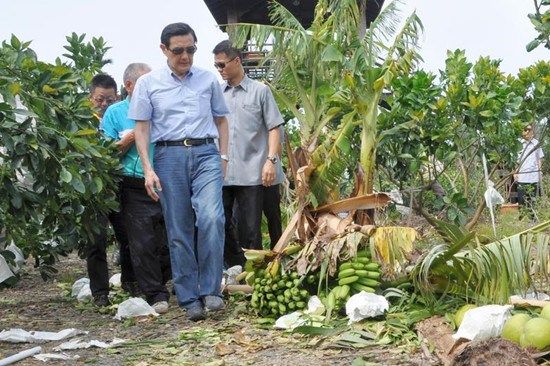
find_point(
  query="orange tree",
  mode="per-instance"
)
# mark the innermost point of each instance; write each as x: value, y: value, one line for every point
x: 56, y: 175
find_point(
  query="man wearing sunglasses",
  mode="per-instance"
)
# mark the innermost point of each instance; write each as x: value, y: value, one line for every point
x: 254, y: 141
x: 181, y: 109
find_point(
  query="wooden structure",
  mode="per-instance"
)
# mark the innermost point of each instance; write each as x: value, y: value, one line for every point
x: 257, y: 12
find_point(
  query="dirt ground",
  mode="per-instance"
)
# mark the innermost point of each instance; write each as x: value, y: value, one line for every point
x: 231, y: 338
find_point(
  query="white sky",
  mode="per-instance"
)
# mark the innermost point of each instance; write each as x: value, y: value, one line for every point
x: 497, y: 28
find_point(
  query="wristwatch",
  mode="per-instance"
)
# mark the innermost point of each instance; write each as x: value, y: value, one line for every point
x: 272, y: 159
x: 224, y: 157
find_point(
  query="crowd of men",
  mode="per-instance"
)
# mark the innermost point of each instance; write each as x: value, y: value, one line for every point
x: 201, y: 162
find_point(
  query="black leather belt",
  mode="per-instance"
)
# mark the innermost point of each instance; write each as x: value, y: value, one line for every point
x: 186, y: 142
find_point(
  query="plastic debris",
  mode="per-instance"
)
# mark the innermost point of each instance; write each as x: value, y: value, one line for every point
x: 79, y: 344
x: 18, y: 335
x: 134, y: 307
x: 230, y: 275
x: 290, y: 321
x: 45, y: 357
x: 78, y: 284
x: 365, y: 305
x: 315, y: 306
x: 483, y: 322
x: 115, y: 280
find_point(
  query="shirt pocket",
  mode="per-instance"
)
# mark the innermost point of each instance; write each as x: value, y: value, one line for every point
x: 252, y: 111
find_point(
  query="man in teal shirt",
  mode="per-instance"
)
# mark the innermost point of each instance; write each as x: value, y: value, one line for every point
x: 143, y: 216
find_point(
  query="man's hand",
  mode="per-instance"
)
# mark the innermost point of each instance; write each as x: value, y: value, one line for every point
x: 268, y: 173
x: 126, y: 142
x: 224, y: 168
x: 152, y: 185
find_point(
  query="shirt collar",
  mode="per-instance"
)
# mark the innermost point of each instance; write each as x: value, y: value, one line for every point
x: 170, y: 73
x: 245, y: 82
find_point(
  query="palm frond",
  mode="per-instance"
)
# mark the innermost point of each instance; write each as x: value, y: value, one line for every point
x: 486, y: 273
x: 331, y: 159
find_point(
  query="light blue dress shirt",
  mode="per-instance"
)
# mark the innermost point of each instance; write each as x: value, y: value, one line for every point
x: 114, y: 124
x: 178, y: 108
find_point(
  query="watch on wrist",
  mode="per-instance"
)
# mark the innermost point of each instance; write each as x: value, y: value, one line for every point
x: 272, y: 159
x: 224, y: 157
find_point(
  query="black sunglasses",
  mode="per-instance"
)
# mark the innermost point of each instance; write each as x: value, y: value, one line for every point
x: 179, y: 50
x: 221, y: 65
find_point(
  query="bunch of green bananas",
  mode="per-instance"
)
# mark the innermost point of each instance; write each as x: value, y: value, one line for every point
x: 360, y: 273
x: 278, y: 295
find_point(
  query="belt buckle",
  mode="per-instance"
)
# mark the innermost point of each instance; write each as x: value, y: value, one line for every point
x: 186, y: 143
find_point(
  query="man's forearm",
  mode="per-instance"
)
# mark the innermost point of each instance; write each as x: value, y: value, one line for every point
x: 142, y: 143
x: 223, y: 133
x: 274, y: 141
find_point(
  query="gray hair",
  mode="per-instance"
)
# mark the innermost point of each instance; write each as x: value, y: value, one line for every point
x: 134, y: 71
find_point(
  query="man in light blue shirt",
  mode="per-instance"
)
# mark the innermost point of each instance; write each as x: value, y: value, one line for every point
x: 181, y: 109
x: 142, y: 215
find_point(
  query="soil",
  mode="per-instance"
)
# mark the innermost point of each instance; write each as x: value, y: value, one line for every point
x: 230, y: 338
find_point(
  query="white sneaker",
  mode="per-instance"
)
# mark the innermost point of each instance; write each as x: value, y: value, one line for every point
x: 161, y: 307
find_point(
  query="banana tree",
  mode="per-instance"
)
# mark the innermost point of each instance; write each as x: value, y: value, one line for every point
x: 337, y: 77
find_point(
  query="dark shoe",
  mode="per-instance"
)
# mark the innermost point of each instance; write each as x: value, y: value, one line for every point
x: 132, y: 288
x: 213, y: 303
x: 101, y: 300
x: 196, y: 313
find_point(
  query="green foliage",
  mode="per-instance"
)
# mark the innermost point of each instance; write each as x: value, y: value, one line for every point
x: 541, y: 21
x: 438, y: 129
x: 56, y: 173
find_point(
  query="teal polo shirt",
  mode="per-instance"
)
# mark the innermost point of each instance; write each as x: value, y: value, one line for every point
x: 114, y: 125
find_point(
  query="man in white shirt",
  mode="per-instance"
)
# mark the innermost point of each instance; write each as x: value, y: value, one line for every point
x: 528, y: 176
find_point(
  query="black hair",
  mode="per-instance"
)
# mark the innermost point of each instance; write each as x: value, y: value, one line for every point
x: 176, y: 29
x: 227, y: 48
x: 104, y: 81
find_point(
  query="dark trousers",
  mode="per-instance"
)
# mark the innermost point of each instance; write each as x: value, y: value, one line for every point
x: 147, y: 240
x: 272, y: 210
x: 96, y: 259
x: 249, y: 218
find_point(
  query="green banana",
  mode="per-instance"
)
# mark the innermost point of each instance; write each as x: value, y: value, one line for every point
x: 372, y: 266
x: 359, y: 287
x: 346, y: 273
x: 348, y: 280
x: 368, y: 282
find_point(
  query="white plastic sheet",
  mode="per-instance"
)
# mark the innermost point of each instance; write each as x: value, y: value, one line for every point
x: 18, y: 335
x: 315, y: 306
x: 290, y: 321
x: 483, y: 322
x: 365, y: 305
x: 78, y: 284
x: 134, y: 307
x: 79, y: 344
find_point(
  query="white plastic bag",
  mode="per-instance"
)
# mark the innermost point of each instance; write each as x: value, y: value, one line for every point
x: 115, y: 280
x: 78, y: 284
x: 85, y: 293
x: 483, y: 322
x: 134, y: 307
x: 230, y: 275
x: 365, y: 305
x: 492, y: 197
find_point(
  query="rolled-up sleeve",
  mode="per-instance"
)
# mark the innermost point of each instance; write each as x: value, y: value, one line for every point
x: 270, y: 110
x: 141, y: 108
x: 219, y: 108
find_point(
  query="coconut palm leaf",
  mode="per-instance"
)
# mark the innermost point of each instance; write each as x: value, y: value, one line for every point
x: 486, y: 273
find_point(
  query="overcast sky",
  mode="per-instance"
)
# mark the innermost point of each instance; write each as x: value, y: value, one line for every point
x: 497, y: 28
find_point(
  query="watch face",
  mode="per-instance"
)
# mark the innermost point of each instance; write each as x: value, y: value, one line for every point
x: 273, y: 159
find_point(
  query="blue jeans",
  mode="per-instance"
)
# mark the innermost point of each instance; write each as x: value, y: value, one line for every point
x: 191, y: 199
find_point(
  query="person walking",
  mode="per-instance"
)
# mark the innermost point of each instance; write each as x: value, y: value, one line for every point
x: 103, y: 93
x: 180, y: 108
x: 142, y: 216
x: 254, y: 140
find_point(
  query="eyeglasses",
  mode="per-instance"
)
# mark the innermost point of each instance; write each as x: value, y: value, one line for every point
x: 179, y: 50
x: 101, y: 100
x: 222, y: 65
